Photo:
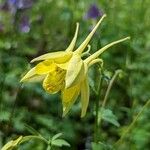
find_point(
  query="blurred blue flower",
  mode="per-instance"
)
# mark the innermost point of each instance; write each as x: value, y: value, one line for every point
x: 12, y: 5
x: 94, y: 12
x: 12, y: 2
x: 21, y: 4
x: 24, y: 25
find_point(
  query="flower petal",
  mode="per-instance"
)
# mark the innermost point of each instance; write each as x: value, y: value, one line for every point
x: 73, y: 42
x: 45, y: 67
x: 69, y: 96
x: 84, y: 96
x: 31, y: 76
x: 58, y: 57
x: 75, y: 71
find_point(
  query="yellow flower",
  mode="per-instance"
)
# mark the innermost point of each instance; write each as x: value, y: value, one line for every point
x: 65, y: 71
x: 54, y: 66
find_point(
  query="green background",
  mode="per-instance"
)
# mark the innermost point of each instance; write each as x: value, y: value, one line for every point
x: 52, y: 25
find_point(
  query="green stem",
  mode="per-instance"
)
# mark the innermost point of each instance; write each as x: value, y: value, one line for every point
x: 1, y: 93
x: 109, y: 87
x: 96, y: 127
x: 132, y: 124
x: 49, y: 147
x: 108, y: 91
x: 34, y: 137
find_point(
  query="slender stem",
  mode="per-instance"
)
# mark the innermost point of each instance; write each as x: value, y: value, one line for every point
x: 96, y: 127
x: 107, y: 93
x: 109, y: 87
x: 34, y: 137
x: 133, y: 123
x: 1, y: 93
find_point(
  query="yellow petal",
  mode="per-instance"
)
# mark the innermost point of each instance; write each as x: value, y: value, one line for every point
x: 31, y: 76
x: 59, y: 57
x: 69, y: 96
x: 45, y: 67
x: 84, y: 96
x: 36, y: 78
x: 75, y: 71
x: 72, y: 44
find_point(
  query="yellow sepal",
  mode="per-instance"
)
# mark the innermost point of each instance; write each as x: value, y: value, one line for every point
x: 31, y: 76
x: 58, y: 57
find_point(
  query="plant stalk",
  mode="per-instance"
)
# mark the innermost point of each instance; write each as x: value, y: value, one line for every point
x: 132, y: 124
x: 96, y: 125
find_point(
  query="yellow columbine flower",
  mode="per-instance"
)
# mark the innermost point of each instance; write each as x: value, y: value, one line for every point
x: 54, y: 66
x: 65, y: 71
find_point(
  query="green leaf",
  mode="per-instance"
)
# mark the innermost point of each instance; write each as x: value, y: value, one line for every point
x: 107, y: 115
x: 4, y: 116
x: 60, y: 143
x: 101, y: 146
x: 56, y: 136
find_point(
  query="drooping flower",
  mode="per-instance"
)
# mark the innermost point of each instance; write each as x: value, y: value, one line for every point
x: 65, y: 71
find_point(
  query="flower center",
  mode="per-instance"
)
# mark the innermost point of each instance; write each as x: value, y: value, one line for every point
x: 54, y: 81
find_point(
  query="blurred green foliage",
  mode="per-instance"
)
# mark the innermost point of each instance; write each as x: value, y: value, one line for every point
x: 46, y: 26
